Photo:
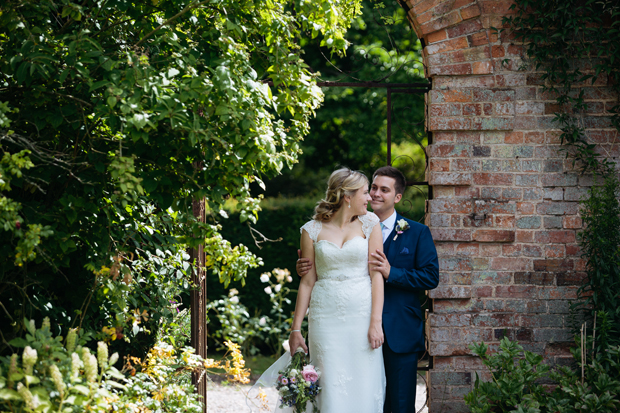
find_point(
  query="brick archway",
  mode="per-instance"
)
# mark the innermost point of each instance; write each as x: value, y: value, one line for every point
x: 505, y: 211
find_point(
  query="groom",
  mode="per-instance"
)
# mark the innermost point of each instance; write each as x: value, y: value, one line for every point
x: 409, y: 265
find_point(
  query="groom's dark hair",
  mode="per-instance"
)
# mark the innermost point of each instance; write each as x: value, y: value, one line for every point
x: 401, y: 183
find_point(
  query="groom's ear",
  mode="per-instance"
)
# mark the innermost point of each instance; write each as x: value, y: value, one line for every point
x: 397, y: 198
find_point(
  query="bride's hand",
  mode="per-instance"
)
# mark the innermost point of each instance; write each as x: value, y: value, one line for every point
x: 375, y: 335
x: 295, y: 341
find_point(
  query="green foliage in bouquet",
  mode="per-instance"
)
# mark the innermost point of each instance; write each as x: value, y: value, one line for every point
x: 298, y: 384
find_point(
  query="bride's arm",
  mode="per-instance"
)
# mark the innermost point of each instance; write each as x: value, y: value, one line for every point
x: 375, y: 331
x: 303, y: 295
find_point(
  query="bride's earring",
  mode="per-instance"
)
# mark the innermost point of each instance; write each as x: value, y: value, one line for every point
x: 349, y: 204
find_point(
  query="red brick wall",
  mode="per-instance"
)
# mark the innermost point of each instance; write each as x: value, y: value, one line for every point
x: 505, y: 212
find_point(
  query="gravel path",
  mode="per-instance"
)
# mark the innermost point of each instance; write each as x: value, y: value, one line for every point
x: 231, y: 398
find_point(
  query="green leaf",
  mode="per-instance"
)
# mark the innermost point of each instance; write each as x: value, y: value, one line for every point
x: 81, y: 389
x: 18, y: 342
x: 8, y: 394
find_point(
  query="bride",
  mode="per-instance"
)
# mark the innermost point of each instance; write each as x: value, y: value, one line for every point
x: 344, y: 296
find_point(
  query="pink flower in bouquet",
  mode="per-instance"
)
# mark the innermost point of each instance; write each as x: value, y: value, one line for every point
x: 284, y: 381
x: 309, y: 373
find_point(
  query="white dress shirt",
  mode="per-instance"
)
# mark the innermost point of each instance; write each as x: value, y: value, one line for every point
x: 388, y: 225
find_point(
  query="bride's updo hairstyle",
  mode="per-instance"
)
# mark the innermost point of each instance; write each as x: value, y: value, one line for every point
x: 341, y: 182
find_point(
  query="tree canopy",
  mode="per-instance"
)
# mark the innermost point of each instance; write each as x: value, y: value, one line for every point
x: 115, y: 115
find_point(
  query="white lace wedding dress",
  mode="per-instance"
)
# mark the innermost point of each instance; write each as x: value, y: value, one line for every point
x: 352, y: 375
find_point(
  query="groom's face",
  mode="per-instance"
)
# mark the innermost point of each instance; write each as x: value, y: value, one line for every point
x: 383, y: 194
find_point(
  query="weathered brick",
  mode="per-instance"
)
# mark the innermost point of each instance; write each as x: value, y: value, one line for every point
x: 493, y: 123
x: 492, y: 179
x: 442, y: 96
x: 534, y: 137
x: 552, y: 165
x: 450, y: 378
x: 444, y: 21
x: 451, y: 234
x: 505, y: 221
x: 558, y: 180
x: 555, y: 251
x: 440, y: 220
x: 465, y: 165
x: 456, y: 206
x: 542, y: 320
x: 512, y: 193
x: 482, y: 68
x: 482, y: 151
x: 532, y: 194
x: 455, y: 264
x: 491, y: 235
x: 494, y: 207
x: 530, y: 108
x: 536, y: 306
x: 450, y: 178
x: 554, y: 194
x: 467, y: 27
x: 535, y: 278
x: 482, y: 291
x: 559, y: 306
x: 457, y: 306
x: 511, y: 250
x: 552, y: 222
x: 490, y: 250
x: 491, y: 277
x: 529, y: 222
x: 436, y: 36
x: 450, y: 291
x: 572, y: 222
x: 440, y: 165
x: 555, y: 237
x: 524, y: 151
x: 552, y: 334
x: 455, y: 69
x: 531, y: 166
x: 495, y: 320
x: 511, y: 264
x: 450, y: 320
x: 570, y: 278
x: 491, y: 193
x: 526, y: 180
x: 471, y: 11
x: 553, y: 265
x: 532, y: 251
x: 558, y: 293
x: 557, y: 208
x: 445, y: 109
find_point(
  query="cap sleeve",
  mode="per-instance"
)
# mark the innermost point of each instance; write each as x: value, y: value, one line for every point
x: 368, y: 222
x: 313, y: 228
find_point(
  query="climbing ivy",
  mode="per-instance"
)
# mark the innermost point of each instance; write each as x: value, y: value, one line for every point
x: 574, y: 43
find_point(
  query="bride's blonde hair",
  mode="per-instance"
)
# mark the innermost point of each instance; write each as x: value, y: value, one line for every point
x: 341, y: 182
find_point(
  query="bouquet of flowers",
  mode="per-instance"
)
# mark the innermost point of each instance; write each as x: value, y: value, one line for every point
x: 298, y: 384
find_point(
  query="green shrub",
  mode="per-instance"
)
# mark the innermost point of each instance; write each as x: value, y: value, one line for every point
x: 516, y: 382
x: 600, y: 245
x: 52, y: 376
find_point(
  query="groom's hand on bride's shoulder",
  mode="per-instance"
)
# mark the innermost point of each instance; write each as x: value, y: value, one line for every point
x: 303, y: 265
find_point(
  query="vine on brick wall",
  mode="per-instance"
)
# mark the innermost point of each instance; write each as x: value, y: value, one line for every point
x: 574, y: 43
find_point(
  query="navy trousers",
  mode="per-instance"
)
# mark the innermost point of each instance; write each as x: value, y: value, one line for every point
x: 401, y: 373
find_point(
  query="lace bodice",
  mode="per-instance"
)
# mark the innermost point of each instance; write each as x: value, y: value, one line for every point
x: 346, y: 262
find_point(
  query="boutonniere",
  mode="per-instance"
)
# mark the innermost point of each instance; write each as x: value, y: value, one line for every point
x: 401, y: 226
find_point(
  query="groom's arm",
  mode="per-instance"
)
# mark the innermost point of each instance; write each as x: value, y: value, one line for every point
x: 425, y: 275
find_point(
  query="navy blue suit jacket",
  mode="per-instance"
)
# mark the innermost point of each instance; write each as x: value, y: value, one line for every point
x: 414, y: 267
